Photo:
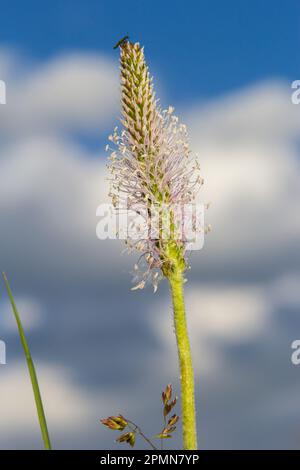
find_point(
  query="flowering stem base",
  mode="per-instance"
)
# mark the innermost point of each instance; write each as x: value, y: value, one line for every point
x: 185, y: 362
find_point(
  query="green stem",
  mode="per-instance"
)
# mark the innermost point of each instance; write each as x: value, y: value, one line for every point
x: 185, y: 362
x: 31, y: 368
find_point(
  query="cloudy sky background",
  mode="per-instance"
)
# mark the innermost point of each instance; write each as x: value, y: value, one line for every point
x: 100, y: 348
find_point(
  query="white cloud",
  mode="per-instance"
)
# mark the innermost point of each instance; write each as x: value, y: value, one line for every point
x: 228, y: 313
x: 50, y: 186
x: 261, y: 113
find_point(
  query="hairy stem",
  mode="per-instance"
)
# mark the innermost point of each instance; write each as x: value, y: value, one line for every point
x: 185, y: 362
x: 31, y: 369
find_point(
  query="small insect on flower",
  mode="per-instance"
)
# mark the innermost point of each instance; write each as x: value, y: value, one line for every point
x: 122, y: 40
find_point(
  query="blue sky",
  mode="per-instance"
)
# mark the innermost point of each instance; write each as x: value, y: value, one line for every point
x: 202, y: 48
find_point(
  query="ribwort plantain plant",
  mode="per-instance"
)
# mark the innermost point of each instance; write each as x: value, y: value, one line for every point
x: 119, y: 423
x: 152, y: 167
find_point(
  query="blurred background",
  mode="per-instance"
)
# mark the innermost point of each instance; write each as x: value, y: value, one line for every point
x: 99, y: 348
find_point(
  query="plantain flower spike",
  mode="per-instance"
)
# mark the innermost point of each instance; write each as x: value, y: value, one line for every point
x: 152, y: 170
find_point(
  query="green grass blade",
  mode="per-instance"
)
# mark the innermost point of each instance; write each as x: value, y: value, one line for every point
x: 31, y: 369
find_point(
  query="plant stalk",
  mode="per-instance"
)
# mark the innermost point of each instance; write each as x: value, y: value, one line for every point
x: 185, y: 362
x: 31, y: 369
